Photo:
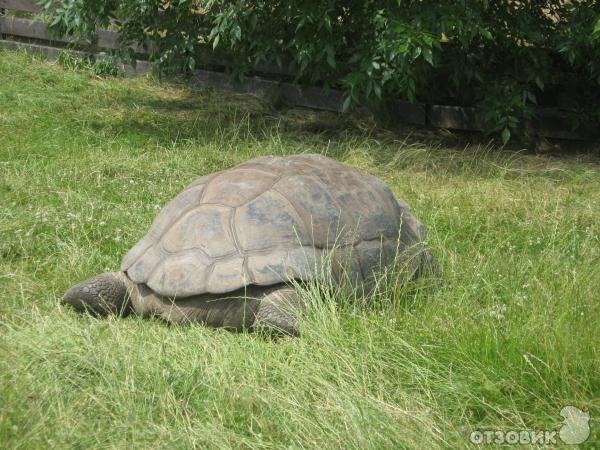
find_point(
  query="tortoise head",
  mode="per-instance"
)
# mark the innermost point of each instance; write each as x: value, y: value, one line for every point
x: 100, y: 295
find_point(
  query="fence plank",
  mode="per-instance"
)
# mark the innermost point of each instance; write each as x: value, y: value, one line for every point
x: 223, y: 81
x: 312, y: 97
x: 292, y: 94
x: 20, y: 5
x: 52, y: 53
x: 107, y: 39
x: 407, y: 112
x: 141, y: 67
x: 454, y: 117
x: 49, y: 52
x: 272, y: 69
x: 550, y: 123
x: 110, y: 39
x: 15, y: 26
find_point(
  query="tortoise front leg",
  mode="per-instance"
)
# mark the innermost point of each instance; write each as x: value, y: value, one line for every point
x: 278, y: 311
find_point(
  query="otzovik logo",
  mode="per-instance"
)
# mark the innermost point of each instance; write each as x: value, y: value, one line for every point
x: 575, y: 430
x: 576, y: 426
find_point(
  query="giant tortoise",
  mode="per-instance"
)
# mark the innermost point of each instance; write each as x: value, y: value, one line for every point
x: 229, y: 249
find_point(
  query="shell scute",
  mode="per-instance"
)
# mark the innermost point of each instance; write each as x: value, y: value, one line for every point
x: 206, y: 228
x: 269, y: 220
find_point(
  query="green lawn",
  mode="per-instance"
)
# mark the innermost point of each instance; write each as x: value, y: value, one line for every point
x: 509, y: 336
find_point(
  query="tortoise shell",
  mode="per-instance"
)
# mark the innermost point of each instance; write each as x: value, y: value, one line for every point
x: 269, y: 220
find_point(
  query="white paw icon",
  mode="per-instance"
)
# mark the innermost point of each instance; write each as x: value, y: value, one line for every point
x: 576, y: 426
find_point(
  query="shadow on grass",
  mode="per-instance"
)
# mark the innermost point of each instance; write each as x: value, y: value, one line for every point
x: 223, y: 110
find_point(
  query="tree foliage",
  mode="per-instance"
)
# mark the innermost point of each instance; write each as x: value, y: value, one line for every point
x: 506, y: 56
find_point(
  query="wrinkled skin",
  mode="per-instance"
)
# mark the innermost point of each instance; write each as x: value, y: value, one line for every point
x: 271, y: 308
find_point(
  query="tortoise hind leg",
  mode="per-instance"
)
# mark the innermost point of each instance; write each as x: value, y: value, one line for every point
x: 278, y: 312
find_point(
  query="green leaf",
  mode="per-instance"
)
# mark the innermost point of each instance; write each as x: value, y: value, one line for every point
x: 428, y: 55
x: 347, y: 103
x: 539, y: 83
x: 412, y: 85
x: 330, y: 55
x: 369, y: 87
x: 377, y: 89
x: 402, y: 48
x: 597, y: 28
x: 505, y: 135
x: 303, y: 65
x: 237, y: 33
x: 417, y: 52
x: 486, y: 34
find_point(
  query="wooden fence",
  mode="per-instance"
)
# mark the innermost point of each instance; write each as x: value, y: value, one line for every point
x: 33, y: 35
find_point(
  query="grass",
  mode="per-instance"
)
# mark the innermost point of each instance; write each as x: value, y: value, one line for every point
x: 507, y: 339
